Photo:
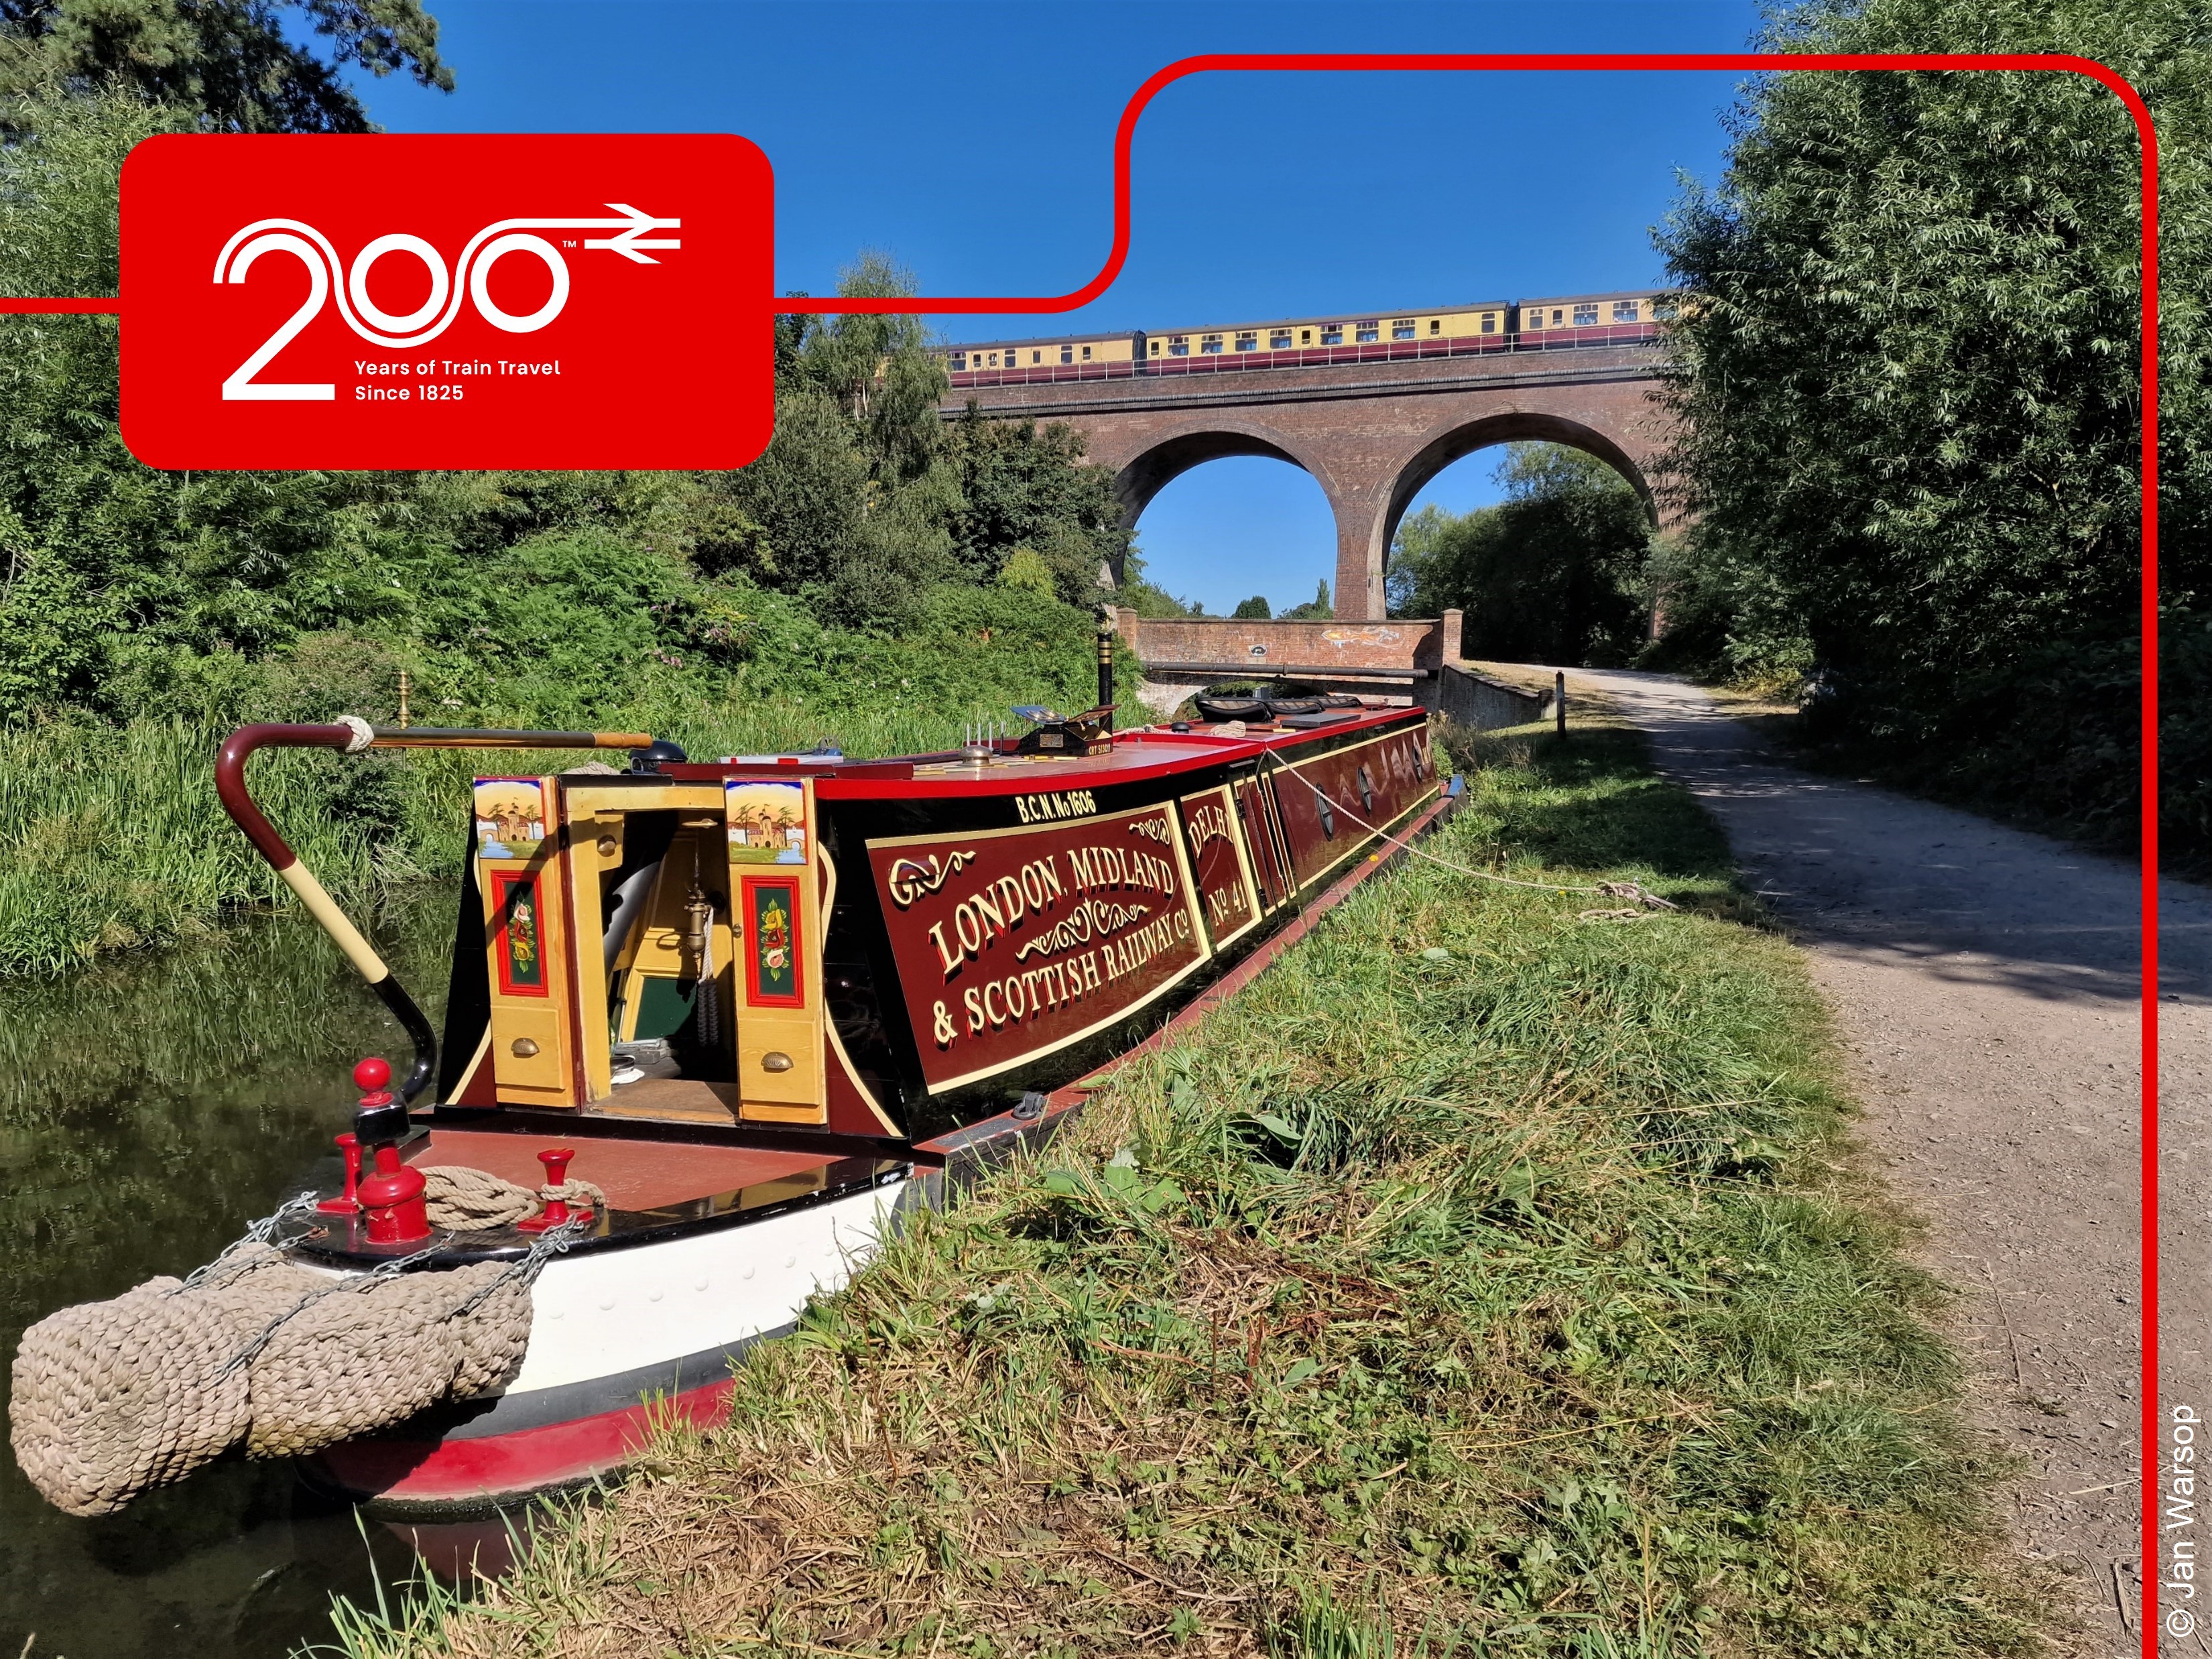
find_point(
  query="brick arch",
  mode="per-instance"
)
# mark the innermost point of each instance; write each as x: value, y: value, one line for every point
x: 1454, y: 441
x: 1167, y: 455
x: 1369, y: 434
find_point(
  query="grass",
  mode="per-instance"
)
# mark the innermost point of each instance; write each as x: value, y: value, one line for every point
x: 1481, y: 1280
x: 112, y: 838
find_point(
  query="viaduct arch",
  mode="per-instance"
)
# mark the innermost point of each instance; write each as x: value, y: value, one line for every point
x: 1372, y: 435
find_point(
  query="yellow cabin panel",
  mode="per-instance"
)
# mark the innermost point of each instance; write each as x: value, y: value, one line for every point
x: 523, y: 876
x: 775, y: 894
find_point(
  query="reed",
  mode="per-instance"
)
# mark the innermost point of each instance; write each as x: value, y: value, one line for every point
x: 112, y: 838
x: 1483, y: 1280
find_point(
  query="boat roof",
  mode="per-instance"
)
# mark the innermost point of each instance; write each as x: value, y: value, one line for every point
x: 1139, y: 754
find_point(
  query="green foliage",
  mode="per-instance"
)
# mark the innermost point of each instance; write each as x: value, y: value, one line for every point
x: 1254, y: 608
x: 1554, y: 573
x: 1025, y: 571
x: 844, y: 586
x: 1317, y: 609
x: 241, y: 66
x: 1479, y: 1280
x: 1909, y: 372
x: 1146, y: 598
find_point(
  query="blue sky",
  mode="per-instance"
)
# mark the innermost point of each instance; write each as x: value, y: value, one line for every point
x: 973, y: 143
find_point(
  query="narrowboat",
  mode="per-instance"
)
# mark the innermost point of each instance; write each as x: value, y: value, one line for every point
x: 762, y: 1003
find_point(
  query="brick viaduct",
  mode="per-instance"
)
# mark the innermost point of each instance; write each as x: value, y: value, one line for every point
x: 1370, y: 433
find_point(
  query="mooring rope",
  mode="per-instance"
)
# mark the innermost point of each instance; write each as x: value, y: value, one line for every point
x: 1625, y: 889
x: 112, y: 1398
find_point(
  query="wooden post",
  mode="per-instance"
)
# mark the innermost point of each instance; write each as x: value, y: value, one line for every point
x: 1559, y: 700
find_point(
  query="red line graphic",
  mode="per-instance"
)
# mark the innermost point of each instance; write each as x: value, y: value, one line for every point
x: 2148, y: 1621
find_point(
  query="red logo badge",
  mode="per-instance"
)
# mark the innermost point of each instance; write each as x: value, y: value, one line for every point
x: 570, y: 300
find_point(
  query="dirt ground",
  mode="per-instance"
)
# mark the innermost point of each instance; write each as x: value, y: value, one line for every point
x: 1985, y: 981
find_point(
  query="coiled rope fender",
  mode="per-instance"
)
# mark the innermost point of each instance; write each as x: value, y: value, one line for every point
x: 110, y: 1399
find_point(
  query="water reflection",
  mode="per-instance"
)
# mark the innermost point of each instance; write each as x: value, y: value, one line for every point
x: 151, y: 1107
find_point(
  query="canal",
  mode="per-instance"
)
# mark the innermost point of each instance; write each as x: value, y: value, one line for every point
x: 151, y: 1106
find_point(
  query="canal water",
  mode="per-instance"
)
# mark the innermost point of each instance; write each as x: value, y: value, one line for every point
x: 149, y: 1109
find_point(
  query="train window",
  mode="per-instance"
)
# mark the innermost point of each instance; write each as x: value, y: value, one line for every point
x: 959, y: 362
x: 1489, y: 322
x: 1585, y: 315
x: 1280, y: 339
x: 1067, y: 354
x: 1557, y: 316
x: 1248, y: 341
x: 1178, y: 346
x: 1533, y: 317
x: 1156, y: 348
x: 1086, y: 354
x: 1305, y: 336
x: 1365, y: 331
x: 1209, y: 342
x: 1036, y: 356
x: 1402, y: 329
x: 1624, y: 310
x: 1664, y: 310
x: 1435, y: 325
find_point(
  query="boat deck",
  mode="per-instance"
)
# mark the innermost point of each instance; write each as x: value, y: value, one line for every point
x: 634, y: 1175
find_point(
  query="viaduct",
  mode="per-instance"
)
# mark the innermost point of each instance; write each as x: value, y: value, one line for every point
x: 1371, y: 432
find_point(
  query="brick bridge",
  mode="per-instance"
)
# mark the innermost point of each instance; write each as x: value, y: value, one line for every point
x: 1371, y: 434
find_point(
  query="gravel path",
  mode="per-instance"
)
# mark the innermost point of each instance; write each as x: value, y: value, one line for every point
x: 1984, y: 980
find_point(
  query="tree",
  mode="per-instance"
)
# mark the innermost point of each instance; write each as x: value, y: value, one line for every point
x: 1026, y: 572
x: 1906, y: 373
x: 1317, y: 609
x: 1552, y: 573
x: 1254, y: 608
x: 230, y: 62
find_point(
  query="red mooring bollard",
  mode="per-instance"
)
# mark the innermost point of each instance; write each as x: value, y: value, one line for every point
x: 391, y: 1198
x: 347, y: 1203
x: 556, y: 1212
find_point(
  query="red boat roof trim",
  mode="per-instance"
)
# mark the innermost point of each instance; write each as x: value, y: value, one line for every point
x: 1147, y: 752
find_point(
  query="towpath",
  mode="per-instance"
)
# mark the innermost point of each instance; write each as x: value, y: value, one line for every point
x: 1984, y: 980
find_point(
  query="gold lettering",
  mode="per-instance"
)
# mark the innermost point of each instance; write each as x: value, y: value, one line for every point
x: 944, y: 952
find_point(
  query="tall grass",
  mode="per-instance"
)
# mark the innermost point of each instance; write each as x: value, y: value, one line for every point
x: 112, y: 837
x: 1484, y: 1279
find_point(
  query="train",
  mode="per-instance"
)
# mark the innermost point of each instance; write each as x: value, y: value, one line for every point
x: 1571, y: 320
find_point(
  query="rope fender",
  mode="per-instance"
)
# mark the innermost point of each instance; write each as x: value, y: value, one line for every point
x: 111, y: 1399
